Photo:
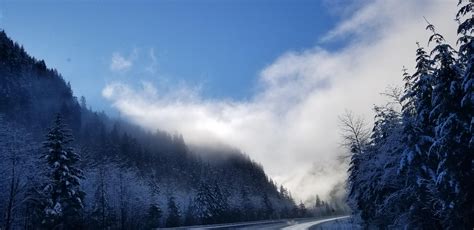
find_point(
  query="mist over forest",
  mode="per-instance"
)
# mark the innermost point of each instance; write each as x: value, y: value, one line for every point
x: 124, y: 177
x: 315, y: 147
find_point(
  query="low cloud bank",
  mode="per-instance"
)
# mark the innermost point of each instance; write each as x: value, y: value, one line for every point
x: 291, y: 125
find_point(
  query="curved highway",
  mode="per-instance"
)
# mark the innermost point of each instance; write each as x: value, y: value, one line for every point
x: 296, y: 224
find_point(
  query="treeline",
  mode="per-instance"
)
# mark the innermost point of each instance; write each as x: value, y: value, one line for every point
x: 116, y: 194
x: 334, y: 206
x: 414, y: 169
x: 111, y: 174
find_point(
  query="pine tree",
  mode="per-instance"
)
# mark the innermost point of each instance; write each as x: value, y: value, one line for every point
x: 377, y: 180
x: 317, y: 203
x: 153, y: 216
x: 384, y: 152
x: 461, y: 167
x: 317, y: 206
x: 174, y: 215
x: 417, y: 107
x: 247, y: 209
x: 64, y: 198
x: 221, y: 207
x: 431, y: 188
x: 101, y: 212
x: 203, y: 203
x: 83, y: 103
x: 416, y: 165
x: 302, y: 211
x: 154, y: 213
x: 189, y: 216
x: 124, y: 199
x: 267, y: 207
x: 447, y: 149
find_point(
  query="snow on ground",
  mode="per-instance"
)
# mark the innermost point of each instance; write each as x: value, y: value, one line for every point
x: 289, y: 224
x: 339, y: 224
x: 308, y: 225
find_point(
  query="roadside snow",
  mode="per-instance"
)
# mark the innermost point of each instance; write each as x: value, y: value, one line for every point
x: 340, y: 224
x: 308, y: 225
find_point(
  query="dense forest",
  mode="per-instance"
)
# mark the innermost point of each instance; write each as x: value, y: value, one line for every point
x: 414, y: 169
x: 65, y: 166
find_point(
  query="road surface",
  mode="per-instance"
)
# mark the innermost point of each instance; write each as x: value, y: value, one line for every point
x: 307, y: 225
x: 297, y: 224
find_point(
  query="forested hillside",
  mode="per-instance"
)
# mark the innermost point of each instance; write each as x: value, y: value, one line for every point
x: 414, y: 169
x: 111, y: 174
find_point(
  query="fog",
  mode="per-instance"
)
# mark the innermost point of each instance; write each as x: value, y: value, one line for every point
x: 291, y: 125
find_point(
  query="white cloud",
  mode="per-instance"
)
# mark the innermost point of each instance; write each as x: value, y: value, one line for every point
x: 152, y: 67
x: 291, y: 126
x: 120, y: 63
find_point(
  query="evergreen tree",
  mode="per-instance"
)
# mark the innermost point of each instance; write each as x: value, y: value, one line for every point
x: 385, y: 196
x: 302, y: 211
x: 416, y: 165
x: 465, y: 176
x: 203, y: 203
x: 102, y: 213
x: 123, y: 199
x: 317, y: 202
x: 376, y: 176
x: 189, y: 216
x: 83, y: 103
x: 153, y: 216
x: 220, y: 206
x: 64, y: 198
x: 118, y: 199
x: 154, y: 213
x: 211, y: 203
x: 267, y: 207
x: 174, y: 215
x: 418, y: 129
x: 447, y: 148
x: 431, y: 145
x: 247, y: 209
x: 459, y: 162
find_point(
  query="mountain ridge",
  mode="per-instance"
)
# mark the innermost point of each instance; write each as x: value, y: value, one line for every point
x: 157, y: 166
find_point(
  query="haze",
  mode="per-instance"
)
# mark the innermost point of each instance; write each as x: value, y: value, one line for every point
x: 276, y: 95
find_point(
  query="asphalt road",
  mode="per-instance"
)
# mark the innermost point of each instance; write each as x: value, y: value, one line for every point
x: 296, y: 224
x: 307, y: 225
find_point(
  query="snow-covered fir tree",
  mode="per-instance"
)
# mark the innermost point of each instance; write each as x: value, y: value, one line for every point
x: 430, y: 145
x: 190, y: 214
x: 416, y: 107
x: 416, y: 164
x: 102, y: 214
x: 447, y: 149
x: 204, y: 204
x: 267, y: 206
x: 464, y: 170
x: 118, y: 197
x: 63, y: 202
x: 220, y: 207
x: 247, y: 208
x: 153, y: 216
x: 174, y: 214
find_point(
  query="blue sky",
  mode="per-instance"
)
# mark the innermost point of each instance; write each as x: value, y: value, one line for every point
x: 219, y: 46
x: 250, y: 74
